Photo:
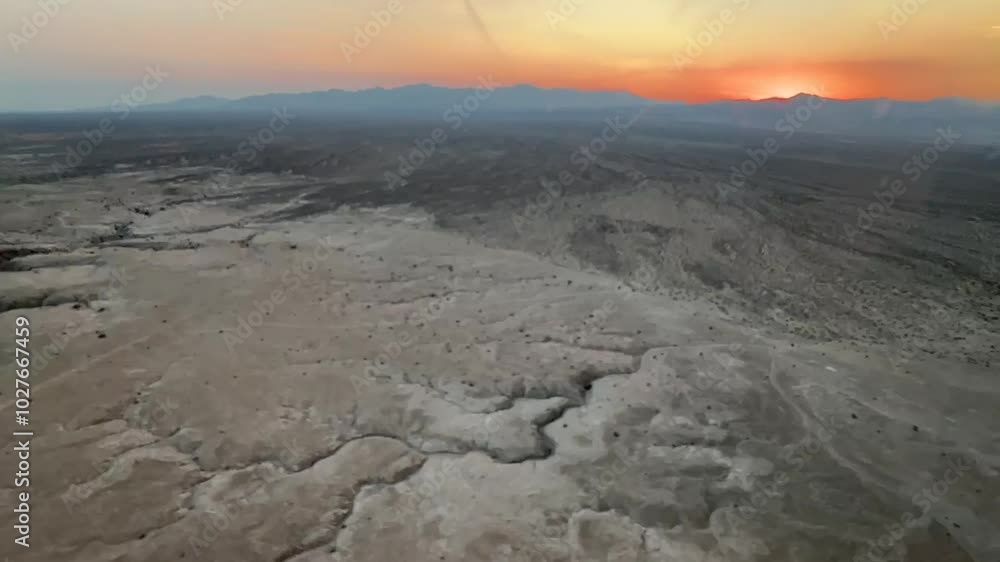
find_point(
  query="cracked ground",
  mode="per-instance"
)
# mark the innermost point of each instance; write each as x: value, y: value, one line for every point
x: 253, y: 377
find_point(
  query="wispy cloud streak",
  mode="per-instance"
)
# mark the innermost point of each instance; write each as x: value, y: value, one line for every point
x: 480, y: 25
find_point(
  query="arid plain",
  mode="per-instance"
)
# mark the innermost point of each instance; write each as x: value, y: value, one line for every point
x: 520, y: 352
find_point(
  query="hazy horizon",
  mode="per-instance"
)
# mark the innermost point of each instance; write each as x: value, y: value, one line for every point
x: 168, y: 100
x: 87, y: 55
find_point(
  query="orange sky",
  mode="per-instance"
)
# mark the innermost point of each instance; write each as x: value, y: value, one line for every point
x: 749, y: 48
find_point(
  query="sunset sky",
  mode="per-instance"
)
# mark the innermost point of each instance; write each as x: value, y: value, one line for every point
x: 92, y: 51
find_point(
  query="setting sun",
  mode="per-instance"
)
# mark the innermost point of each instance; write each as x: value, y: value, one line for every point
x: 770, y: 49
x: 787, y: 91
x: 783, y: 88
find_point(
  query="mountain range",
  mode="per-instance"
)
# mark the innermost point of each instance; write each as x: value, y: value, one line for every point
x: 415, y: 99
x: 882, y: 116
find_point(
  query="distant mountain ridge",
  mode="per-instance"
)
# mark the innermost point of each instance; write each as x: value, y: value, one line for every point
x: 879, y: 116
x: 415, y: 98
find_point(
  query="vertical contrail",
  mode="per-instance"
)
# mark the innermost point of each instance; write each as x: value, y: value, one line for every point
x: 470, y: 9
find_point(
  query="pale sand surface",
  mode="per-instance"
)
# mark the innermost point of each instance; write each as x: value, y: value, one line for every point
x: 421, y: 393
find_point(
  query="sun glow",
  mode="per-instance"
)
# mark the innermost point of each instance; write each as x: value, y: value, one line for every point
x: 783, y: 90
x: 761, y: 84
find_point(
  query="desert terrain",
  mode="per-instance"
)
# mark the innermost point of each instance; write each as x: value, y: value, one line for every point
x: 517, y: 353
